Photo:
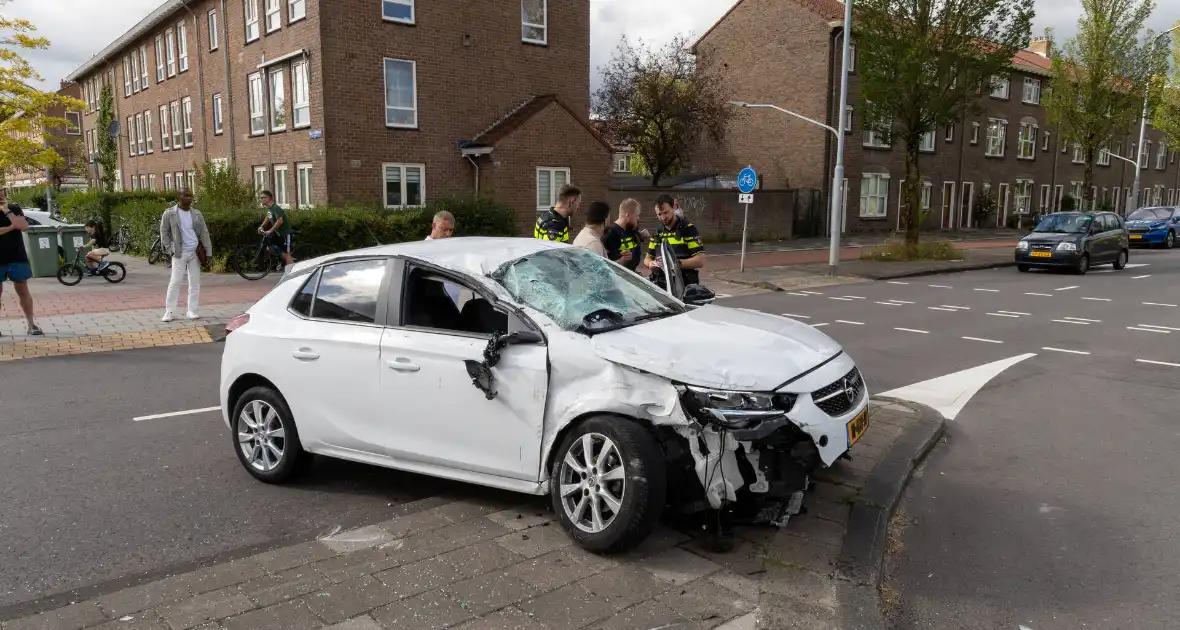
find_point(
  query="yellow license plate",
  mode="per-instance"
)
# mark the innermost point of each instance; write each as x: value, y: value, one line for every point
x: 857, y: 426
x: 1041, y: 254
x: 1136, y: 236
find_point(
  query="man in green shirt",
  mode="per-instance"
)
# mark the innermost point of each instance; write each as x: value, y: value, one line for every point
x: 276, y: 222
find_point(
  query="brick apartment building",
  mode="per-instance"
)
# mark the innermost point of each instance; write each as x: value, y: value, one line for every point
x: 392, y: 102
x: 64, y: 140
x: 788, y: 53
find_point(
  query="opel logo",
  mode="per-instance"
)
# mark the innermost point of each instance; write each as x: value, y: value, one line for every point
x: 850, y: 390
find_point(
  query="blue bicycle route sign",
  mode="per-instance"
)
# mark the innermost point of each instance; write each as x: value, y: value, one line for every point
x: 747, y: 180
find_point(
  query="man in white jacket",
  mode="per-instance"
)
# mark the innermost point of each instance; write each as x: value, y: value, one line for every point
x: 182, y: 231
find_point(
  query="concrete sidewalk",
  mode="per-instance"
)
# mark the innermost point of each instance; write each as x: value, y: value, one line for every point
x: 486, y: 562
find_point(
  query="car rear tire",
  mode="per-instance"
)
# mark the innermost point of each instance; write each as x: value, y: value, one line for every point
x: 1121, y: 261
x: 265, y: 437
x: 1083, y: 265
x: 1170, y: 240
x: 1023, y: 268
x: 608, y: 484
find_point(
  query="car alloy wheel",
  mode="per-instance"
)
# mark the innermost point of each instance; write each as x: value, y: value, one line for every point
x: 1121, y: 261
x: 1170, y: 240
x: 593, y: 482
x: 261, y: 436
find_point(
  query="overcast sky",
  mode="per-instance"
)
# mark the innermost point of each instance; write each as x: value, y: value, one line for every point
x: 79, y: 28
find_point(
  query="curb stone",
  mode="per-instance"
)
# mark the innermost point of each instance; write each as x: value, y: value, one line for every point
x: 938, y: 272
x: 862, y: 553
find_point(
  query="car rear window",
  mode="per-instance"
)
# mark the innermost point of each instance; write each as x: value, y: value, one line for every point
x: 302, y: 302
x: 349, y: 291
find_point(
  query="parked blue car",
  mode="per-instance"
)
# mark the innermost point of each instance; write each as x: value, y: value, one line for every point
x: 1154, y: 226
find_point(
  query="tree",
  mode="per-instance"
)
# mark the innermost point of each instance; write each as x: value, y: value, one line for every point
x: 922, y: 66
x: 108, y: 151
x: 1167, y: 114
x: 660, y: 103
x: 72, y: 162
x: 1101, y: 77
x: 24, y: 110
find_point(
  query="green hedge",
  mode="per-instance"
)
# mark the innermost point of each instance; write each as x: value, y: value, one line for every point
x: 318, y: 231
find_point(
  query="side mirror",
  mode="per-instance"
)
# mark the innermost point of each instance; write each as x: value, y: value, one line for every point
x: 522, y: 337
x: 697, y: 295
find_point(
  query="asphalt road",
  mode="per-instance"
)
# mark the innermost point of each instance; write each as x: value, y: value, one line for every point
x: 1052, y: 504
x: 1054, y: 509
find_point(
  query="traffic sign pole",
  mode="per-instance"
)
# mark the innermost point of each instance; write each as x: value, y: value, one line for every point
x: 747, y: 182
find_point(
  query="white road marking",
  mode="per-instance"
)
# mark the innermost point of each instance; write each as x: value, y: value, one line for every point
x: 958, y: 308
x: 811, y: 292
x: 913, y: 330
x: 1064, y: 350
x: 983, y: 340
x: 1066, y: 288
x: 950, y: 393
x: 1157, y: 362
x: 1097, y: 299
x: 845, y: 321
x: 1154, y: 330
x: 1083, y: 319
x: 173, y: 414
x: 939, y: 286
x: 819, y: 325
x: 854, y: 297
x: 1134, y: 265
x: 1014, y: 313
x: 1070, y: 321
x: 889, y: 303
x: 1160, y: 327
x: 1004, y: 315
x: 895, y: 282
x: 989, y: 290
x: 842, y: 299
x: 1040, y: 294
x: 939, y: 308
x: 795, y: 316
x: 722, y: 296
x: 1158, y: 304
x: 901, y: 302
x: 799, y: 294
x: 1140, y: 277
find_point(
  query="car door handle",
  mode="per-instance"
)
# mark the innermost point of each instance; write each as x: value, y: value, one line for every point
x: 304, y: 354
x: 402, y: 364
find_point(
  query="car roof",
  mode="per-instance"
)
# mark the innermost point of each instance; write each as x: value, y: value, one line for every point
x: 474, y: 255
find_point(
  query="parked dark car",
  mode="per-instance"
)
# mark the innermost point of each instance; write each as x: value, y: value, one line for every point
x: 1076, y: 241
x: 1154, y: 226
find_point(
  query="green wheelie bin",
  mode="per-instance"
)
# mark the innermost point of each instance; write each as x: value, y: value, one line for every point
x: 41, y: 244
x: 72, y: 237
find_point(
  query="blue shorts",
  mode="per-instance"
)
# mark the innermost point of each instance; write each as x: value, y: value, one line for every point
x: 284, y: 243
x: 17, y: 272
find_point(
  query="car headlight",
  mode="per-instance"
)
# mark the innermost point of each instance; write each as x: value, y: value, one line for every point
x: 1067, y: 247
x: 1022, y: 246
x: 733, y: 409
x: 1158, y: 226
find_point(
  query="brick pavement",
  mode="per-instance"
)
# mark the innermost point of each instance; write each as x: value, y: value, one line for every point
x: 483, y: 564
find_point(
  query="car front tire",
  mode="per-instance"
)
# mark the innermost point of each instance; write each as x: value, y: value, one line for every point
x: 1121, y: 261
x: 608, y: 484
x: 1083, y: 265
x: 265, y: 438
x: 1023, y: 268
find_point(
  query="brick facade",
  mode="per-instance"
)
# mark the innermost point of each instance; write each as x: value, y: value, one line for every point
x: 471, y: 66
x: 787, y: 53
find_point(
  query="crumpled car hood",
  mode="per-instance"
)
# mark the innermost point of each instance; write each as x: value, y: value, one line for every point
x: 719, y: 347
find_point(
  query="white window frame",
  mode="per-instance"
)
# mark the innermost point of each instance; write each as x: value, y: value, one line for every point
x: 296, y: 10
x: 261, y: 177
x: 250, y: 14
x: 192, y: 180
x: 1001, y: 86
x: 1075, y: 191
x: 996, y: 141
x: 135, y: 74
x: 400, y: 3
x: 1026, y: 145
x: 159, y: 59
x: 152, y: 181
x: 1078, y: 158
x: 170, y: 52
x: 975, y: 132
x: 1045, y: 137
x: 1104, y: 156
x: 255, y: 96
x: 949, y: 133
x: 75, y: 126
x: 403, y: 168
x: 218, y: 119
x: 414, y: 79
x: 165, y: 137
x: 851, y: 57
x: 279, y: 173
x: 147, y: 126
x: 186, y: 111
x: 1161, y: 156
x: 300, y: 95
x: 174, y: 111
x: 881, y: 197
x: 544, y: 25
x: 621, y: 163
x: 878, y: 139
x: 926, y: 142
x: 143, y: 68
x: 126, y: 77
x: 214, y: 37
x: 552, y: 171
x: 182, y: 44
x: 276, y: 101
x: 1032, y: 91
x: 273, y: 14
x: 131, y: 135
x: 1145, y: 154
x: 1023, y: 201
x: 1044, y: 201
x: 303, y: 185
x: 848, y: 110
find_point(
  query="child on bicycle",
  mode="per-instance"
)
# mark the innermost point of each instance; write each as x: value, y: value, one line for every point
x: 98, y: 240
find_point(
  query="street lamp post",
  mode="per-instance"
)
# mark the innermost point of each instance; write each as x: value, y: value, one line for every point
x: 836, y: 219
x: 1143, y: 131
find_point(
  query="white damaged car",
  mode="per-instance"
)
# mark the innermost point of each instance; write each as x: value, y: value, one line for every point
x: 543, y: 369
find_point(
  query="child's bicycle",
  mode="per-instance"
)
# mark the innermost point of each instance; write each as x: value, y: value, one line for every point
x: 71, y: 274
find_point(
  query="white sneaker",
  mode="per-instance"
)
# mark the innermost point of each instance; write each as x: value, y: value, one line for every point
x: 192, y: 315
x: 167, y: 317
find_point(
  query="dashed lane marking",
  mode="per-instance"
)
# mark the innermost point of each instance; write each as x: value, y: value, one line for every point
x: 900, y: 302
x: 812, y: 292
x: 913, y: 330
x: 1092, y: 299
x: 1149, y: 361
x: 1158, y: 304
x: 939, y: 308
x: 983, y: 340
x: 1017, y: 313
x: 799, y: 294
x: 1160, y: 327
x: 989, y: 290
x: 1066, y: 288
x: 173, y: 414
x: 1066, y: 351
x: 854, y: 297
x: 1070, y: 321
x: 1083, y: 319
x: 842, y: 299
x: 795, y: 316
x: 1140, y: 277
x: 895, y: 282
x: 722, y: 296
x: 1040, y: 294
x: 819, y: 325
x: 845, y: 321
x: 957, y: 308
x: 1154, y: 330
x: 1004, y: 315
x: 889, y: 303
x: 1134, y: 265
x: 939, y: 286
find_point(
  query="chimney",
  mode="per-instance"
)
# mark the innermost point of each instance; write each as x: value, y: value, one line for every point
x: 1040, y: 46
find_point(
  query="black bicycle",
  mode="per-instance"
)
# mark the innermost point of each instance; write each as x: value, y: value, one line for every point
x: 156, y: 254
x: 71, y: 274
x: 255, y: 262
x: 120, y: 240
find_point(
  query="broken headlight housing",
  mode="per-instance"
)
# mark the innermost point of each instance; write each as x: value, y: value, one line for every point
x: 733, y: 409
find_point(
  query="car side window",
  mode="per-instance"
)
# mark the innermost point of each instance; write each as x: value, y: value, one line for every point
x: 302, y: 302
x: 32, y: 221
x: 440, y: 302
x: 349, y: 291
x: 1116, y: 222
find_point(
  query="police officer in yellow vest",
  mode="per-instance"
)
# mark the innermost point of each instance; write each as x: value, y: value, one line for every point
x: 683, y: 239
x: 554, y: 223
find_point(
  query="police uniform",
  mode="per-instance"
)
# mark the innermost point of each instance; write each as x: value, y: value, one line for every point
x: 618, y: 241
x: 684, y: 240
x: 552, y: 226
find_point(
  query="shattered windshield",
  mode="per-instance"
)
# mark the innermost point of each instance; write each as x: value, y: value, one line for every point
x: 570, y: 283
